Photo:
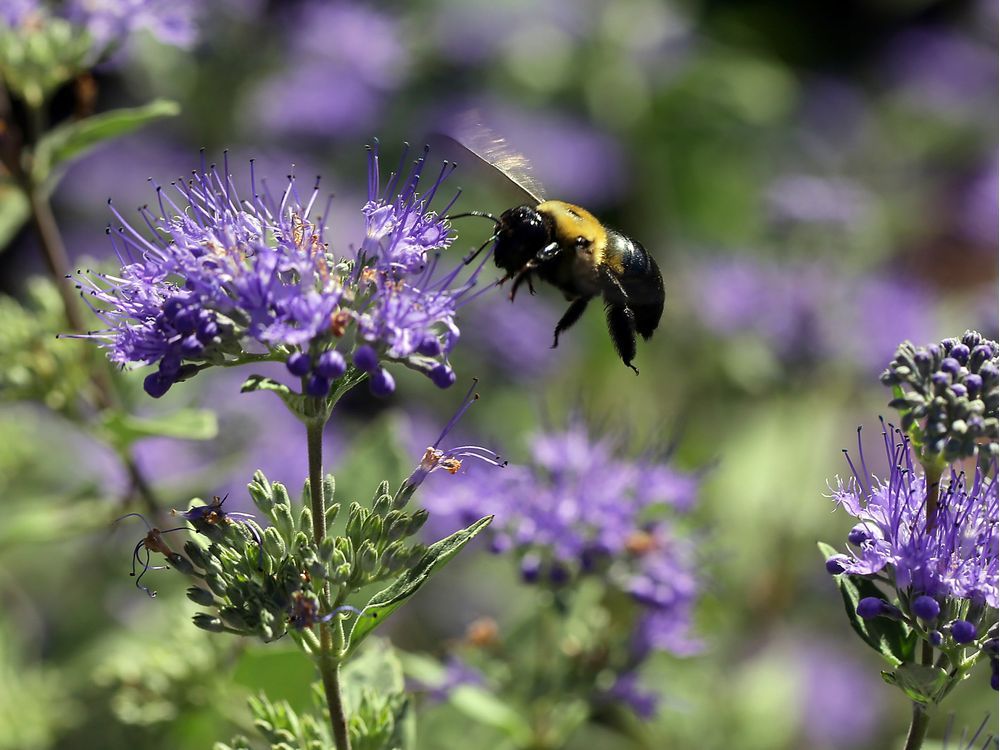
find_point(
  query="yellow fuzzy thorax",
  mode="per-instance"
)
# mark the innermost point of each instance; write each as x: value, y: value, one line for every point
x: 573, y: 221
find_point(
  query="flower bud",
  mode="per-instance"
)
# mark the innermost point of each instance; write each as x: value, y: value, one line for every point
x: 443, y: 376
x: 156, y: 384
x: 963, y: 631
x: 382, y: 383
x: 365, y: 358
x: 208, y: 622
x: 926, y: 608
x: 835, y: 564
x: 871, y: 607
x: 317, y: 386
x: 299, y: 364
x: 200, y: 596
x: 331, y: 365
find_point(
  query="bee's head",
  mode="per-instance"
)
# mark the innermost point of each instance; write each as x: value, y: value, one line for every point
x: 522, y: 232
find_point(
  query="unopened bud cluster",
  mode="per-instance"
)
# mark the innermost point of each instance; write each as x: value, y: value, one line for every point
x: 261, y: 581
x: 947, y: 394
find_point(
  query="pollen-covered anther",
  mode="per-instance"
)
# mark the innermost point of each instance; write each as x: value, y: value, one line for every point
x: 640, y: 543
x: 482, y: 632
x: 339, y: 322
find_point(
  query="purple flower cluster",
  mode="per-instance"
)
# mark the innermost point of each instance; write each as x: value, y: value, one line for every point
x: 933, y: 565
x: 807, y: 313
x: 220, y: 278
x: 110, y: 22
x: 579, y: 510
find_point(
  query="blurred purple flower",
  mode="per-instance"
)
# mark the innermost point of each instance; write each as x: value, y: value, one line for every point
x: 514, y: 339
x: 808, y: 312
x: 643, y: 702
x: 467, y: 33
x: 840, y: 701
x: 574, y: 161
x: 110, y: 22
x: 578, y: 510
x: 817, y: 200
x: 456, y: 674
x: 976, y: 211
x: 348, y: 58
x: 16, y: 13
x: 943, y: 70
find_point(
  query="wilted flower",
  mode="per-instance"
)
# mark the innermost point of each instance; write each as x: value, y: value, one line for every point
x: 227, y: 278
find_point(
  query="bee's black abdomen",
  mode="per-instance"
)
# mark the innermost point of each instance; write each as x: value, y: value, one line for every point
x: 643, y: 285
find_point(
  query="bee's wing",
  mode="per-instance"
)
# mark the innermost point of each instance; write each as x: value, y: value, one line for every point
x: 472, y: 135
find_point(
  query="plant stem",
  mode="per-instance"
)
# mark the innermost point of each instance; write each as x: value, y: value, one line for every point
x: 328, y: 661
x: 57, y: 262
x: 932, y: 473
x: 918, y: 728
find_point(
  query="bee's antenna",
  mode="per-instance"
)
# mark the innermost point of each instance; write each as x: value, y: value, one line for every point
x: 482, y: 214
x: 471, y: 257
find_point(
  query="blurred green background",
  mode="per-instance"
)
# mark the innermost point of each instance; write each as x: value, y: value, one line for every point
x: 818, y: 181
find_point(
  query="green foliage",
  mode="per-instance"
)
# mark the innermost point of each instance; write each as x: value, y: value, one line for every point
x: 123, y: 430
x: 36, y: 60
x: 14, y: 210
x: 374, y: 698
x: 893, y: 639
x: 923, y: 683
x: 387, y: 601
x: 71, y: 140
x: 28, y: 696
x: 34, y: 365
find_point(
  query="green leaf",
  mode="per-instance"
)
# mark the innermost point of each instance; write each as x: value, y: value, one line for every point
x: 71, y: 140
x: 486, y: 708
x: 187, y: 424
x: 387, y: 601
x: 14, y: 211
x: 377, y: 668
x: 891, y: 638
x: 296, y: 402
x: 922, y: 683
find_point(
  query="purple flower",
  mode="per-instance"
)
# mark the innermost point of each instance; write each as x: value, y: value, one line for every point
x: 348, y: 57
x: 804, y: 198
x: 956, y: 557
x: 578, y: 509
x: 17, y: 13
x: 808, y: 312
x: 642, y: 701
x: 110, y: 22
x: 450, y: 460
x: 230, y: 275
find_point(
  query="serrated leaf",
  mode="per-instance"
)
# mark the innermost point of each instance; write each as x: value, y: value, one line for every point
x: 14, y: 212
x: 891, y: 638
x: 71, y: 140
x: 922, y: 683
x: 388, y: 600
x: 187, y: 424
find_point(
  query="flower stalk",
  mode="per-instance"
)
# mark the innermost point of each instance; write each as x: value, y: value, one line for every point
x: 329, y: 656
x: 918, y: 728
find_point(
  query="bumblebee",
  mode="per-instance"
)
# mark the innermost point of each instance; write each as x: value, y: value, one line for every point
x: 568, y: 247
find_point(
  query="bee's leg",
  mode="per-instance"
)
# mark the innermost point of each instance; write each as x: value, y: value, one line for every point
x: 621, y: 326
x: 570, y: 317
x: 520, y: 277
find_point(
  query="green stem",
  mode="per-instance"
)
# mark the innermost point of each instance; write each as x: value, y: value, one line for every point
x: 918, y: 728
x: 57, y: 262
x: 932, y: 471
x: 329, y: 656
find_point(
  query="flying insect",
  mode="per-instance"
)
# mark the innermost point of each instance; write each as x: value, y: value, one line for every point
x: 568, y: 247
